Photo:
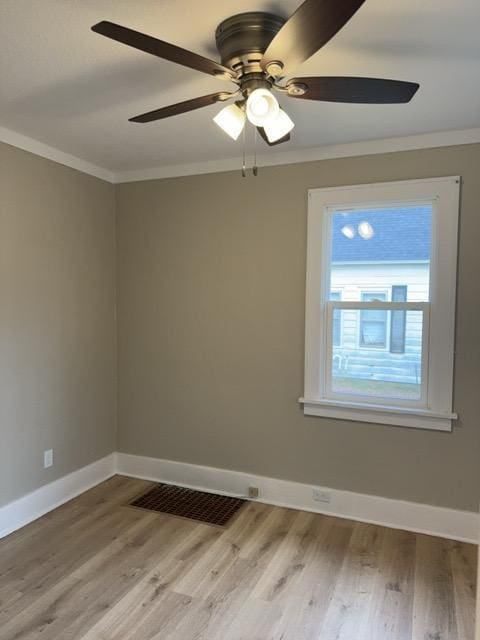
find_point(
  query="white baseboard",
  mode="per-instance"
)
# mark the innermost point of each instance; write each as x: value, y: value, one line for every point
x: 398, y: 514
x: 31, y: 506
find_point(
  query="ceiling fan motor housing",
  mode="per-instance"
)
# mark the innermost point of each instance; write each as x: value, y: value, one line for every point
x: 242, y: 39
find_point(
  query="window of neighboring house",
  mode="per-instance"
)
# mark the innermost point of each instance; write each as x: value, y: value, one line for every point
x: 398, y: 319
x: 384, y: 355
x: 337, y: 320
x: 373, y: 323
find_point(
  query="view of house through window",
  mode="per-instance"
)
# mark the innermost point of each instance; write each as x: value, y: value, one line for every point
x: 378, y: 256
x: 380, y: 302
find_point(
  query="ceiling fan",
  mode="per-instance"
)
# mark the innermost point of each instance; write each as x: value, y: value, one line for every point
x: 258, y: 51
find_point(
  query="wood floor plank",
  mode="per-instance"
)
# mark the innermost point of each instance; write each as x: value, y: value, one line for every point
x: 463, y: 561
x: 162, y: 619
x: 348, y: 612
x: 226, y: 595
x: 59, y: 562
x: 83, y: 516
x: 256, y: 620
x: 203, y: 576
x: 56, y: 606
x: 289, y: 559
x: 308, y: 602
x: 434, y: 616
x: 97, y: 569
x: 163, y: 568
x: 391, y: 612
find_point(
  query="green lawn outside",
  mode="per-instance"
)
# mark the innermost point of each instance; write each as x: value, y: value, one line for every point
x: 379, y: 388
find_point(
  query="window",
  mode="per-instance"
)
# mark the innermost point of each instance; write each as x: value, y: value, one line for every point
x: 398, y: 320
x: 381, y: 275
x: 337, y: 320
x: 373, y: 323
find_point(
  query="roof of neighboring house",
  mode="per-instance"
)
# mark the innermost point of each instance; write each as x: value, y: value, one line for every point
x: 400, y: 233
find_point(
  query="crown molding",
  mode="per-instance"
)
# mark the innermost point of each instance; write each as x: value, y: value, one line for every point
x: 51, y: 153
x: 326, y: 152
x: 368, y: 147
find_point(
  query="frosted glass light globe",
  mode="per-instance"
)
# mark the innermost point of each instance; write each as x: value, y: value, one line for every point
x: 262, y: 106
x: 259, y: 106
x: 232, y: 120
x: 276, y: 128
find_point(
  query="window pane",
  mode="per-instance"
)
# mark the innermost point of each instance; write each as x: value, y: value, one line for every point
x: 398, y: 321
x: 373, y: 323
x: 368, y: 371
x: 337, y: 320
x: 372, y: 332
x: 381, y: 249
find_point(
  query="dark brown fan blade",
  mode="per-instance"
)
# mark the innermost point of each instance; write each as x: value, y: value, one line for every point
x: 356, y: 90
x: 161, y: 49
x: 307, y: 30
x: 182, y: 107
x: 263, y: 135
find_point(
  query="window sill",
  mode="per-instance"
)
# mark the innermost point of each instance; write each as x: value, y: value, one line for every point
x: 398, y: 416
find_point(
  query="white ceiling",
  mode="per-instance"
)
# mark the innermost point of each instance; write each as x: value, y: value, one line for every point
x: 70, y: 88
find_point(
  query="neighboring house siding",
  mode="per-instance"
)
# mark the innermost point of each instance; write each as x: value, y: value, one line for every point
x: 350, y: 357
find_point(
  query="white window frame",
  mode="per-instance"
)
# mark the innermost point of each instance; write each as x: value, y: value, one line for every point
x: 434, y: 409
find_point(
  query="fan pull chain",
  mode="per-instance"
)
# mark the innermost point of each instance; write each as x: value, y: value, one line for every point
x: 244, y: 153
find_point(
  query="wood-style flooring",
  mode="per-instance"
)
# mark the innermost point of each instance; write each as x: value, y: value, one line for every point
x: 95, y: 569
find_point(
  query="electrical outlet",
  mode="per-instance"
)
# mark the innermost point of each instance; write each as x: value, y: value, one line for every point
x: 48, y: 458
x: 253, y: 492
x: 321, y: 496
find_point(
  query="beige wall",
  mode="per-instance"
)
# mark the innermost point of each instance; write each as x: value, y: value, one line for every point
x: 211, y: 320
x: 57, y: 322
x: 211, y: 273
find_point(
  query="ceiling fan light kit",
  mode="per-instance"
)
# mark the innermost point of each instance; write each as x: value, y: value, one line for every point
x: 279, y: 127
x: 258, y: 51
x: 262, y: 107
x: 232, y: 120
